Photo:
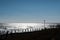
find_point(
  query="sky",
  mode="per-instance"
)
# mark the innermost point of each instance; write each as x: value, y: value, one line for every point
x: 29, y: 10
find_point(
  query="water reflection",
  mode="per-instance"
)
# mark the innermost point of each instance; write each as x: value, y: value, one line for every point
x: 21, y: 27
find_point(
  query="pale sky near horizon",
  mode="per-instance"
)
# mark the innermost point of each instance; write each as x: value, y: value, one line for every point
x: 29, y: 10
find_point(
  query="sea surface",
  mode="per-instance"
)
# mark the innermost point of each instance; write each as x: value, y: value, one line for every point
x: 22, y: 27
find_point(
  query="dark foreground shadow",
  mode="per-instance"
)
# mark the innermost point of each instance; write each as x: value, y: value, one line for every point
x: 46, y: 34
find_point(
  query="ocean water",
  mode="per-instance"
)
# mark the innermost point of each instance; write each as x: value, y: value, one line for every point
x: 22, y: 27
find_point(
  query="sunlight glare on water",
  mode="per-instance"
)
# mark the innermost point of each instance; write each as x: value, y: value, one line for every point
x: 25, y: 25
